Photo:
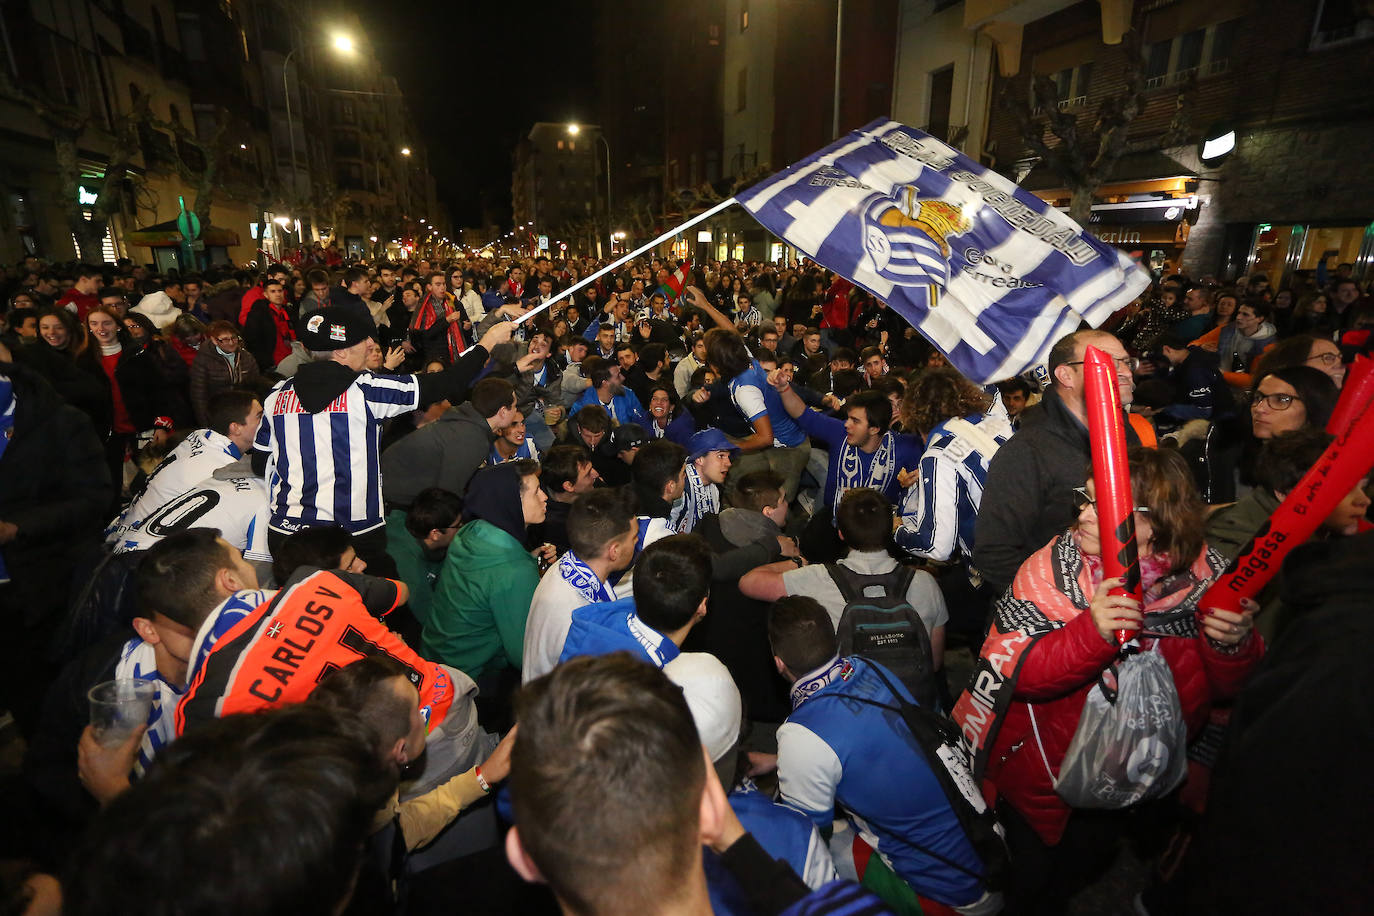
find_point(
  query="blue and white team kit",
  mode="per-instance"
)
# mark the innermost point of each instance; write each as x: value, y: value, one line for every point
x: 198, y: 456
x: 325, y: 467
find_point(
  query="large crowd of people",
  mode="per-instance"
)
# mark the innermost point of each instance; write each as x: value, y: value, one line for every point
x: 462, y: 586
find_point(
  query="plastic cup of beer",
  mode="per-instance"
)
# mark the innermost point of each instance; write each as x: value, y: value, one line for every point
x: 119, y: 707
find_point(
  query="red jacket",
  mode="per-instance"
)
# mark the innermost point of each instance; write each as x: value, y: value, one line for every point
x: 835, y: 313
x: 250, y: 295
x: 1061, y: 667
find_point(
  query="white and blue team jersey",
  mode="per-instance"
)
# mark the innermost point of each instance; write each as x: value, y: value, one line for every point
x: 755, y: 397
x: 235, y: 504
x: 939, y: 509
x: 197, y: 457
x: 527, y: 449
x: 832, y: 750
x: 324, y: 467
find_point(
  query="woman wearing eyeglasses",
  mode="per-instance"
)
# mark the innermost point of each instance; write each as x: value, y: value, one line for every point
x: 1283, y: 400
x: 222, y: 362
x: 1291, y: 398
x: 1053, y: 638
x: 1305, y: 350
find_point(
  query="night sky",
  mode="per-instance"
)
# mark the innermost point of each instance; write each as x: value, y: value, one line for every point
x: 477, y: 75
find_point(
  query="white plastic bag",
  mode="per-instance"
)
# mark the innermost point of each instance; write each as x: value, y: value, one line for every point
x: 1130, y: 750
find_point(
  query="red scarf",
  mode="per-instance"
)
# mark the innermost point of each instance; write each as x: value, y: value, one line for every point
x: 285, y: 333
x: 1051, y: 588
x: 426, y: 316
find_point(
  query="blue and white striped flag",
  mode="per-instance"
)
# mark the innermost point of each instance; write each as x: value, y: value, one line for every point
x: 985, y: 270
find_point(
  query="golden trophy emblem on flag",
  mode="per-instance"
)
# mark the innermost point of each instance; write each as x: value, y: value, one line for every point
x: 906, y: 239
x: 935, y: 218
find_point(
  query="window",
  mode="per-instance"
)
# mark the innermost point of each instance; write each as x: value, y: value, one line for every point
x: 1071, y: 85
x: 1223, y: 39
x: 941, y: 97
x: 1157, y: 62
x: 192, y: 43
x: 742, y: 89
x: 743, y: 15
x: 560, y: 144
x: 1189, y: 53
x: 1196, y: 53
x: 713, y: 34
x: 1341, y: 21
x: 160, y: 43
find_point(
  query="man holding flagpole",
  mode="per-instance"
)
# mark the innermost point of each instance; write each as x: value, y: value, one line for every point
x: 777, y: 442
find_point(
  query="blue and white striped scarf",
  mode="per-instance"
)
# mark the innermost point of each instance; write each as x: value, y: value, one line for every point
x: 699, y: 500
x: 580, y: 576
x: 850, y: 473
x: 815, y: 681
x: 138, y: 659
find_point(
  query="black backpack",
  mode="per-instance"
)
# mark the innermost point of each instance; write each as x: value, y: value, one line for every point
x: 886, y: 628
x: 943, y: 749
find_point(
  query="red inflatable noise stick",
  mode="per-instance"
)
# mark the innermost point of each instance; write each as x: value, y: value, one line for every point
x: 1302, y: 511
x: 1357, y: 392
x: 1111, y: 475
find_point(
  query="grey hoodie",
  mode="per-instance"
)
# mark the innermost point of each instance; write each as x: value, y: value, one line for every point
x: 446, y: 453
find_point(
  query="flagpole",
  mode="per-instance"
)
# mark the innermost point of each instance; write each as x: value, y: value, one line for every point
x: 634, y: 254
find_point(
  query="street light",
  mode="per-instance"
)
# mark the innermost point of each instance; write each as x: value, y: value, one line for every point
x: 574, y: 129
x: 1217, y: 144
x: 343, y: 44
x: 405, y: 151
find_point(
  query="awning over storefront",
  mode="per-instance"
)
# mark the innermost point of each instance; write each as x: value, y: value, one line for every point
x: 1144, y: 211
x: 166, y: 235
x: 1149, y: 172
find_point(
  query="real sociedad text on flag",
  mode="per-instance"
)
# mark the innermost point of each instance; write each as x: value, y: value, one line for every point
x: 985, y: 270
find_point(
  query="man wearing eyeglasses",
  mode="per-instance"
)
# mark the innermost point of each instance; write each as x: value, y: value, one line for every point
x: 1028, y: 498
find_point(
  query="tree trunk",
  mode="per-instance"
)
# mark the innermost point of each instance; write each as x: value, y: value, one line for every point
x: 205, y: 189
x: 1081, y: 203
x: 89, y: 234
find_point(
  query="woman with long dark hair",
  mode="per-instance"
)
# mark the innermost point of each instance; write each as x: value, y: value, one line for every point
x: 175, y: 371
x: 135, y: 387
x: 1313, y: 316
x: 62, y: 340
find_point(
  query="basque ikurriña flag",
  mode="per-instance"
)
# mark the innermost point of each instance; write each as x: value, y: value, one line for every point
x: 677, y: 282
x: 985, y: 270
